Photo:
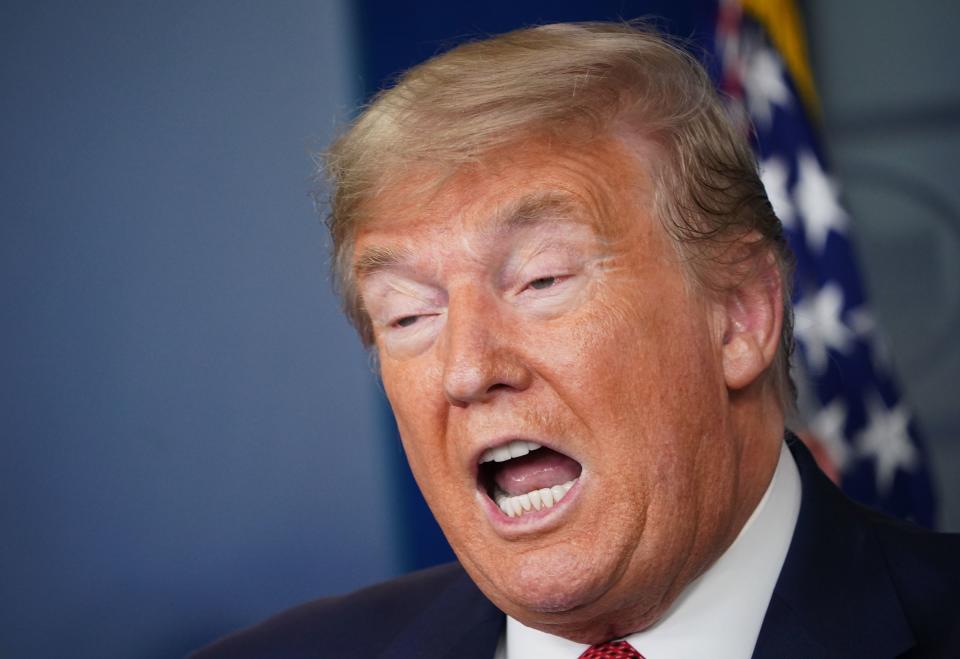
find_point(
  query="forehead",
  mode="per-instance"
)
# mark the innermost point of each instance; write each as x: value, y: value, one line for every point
x: 601, y: 184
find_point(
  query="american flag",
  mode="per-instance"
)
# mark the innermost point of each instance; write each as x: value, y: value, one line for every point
x: 851, y: 411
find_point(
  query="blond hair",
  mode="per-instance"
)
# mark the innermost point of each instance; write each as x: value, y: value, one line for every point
x: 575, y: 82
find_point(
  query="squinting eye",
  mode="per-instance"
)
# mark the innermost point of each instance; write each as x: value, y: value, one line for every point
x: 406, y: 321
x: 542, y: 283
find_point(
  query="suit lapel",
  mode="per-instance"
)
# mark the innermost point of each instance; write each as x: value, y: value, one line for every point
x: 834, y: 596
x: 460, y: 622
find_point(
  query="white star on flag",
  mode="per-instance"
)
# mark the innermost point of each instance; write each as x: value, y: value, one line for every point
x: 817, y: 201
x: 818, y: 325
x: 773, y: 173
x: 887, y: 441
x: 763, y: 81
x: 827, y: 426
x: 860, y: 441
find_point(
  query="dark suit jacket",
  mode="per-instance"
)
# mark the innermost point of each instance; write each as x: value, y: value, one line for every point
x: 854, y: 584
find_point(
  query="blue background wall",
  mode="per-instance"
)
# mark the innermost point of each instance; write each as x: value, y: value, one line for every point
x: 189, y: 430
x: 191, y: 435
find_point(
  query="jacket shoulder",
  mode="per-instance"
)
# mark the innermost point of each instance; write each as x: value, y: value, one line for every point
x: 856, y: 583
x: 361, y: 623
x: 925, y: 570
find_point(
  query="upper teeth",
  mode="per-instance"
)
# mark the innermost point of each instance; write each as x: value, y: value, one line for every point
x: 513, y: 449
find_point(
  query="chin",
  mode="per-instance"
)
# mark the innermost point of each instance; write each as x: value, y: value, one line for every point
x: 577, y: 594
x: 556, y: 582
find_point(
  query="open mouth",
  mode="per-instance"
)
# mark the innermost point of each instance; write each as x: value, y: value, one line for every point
x: 524, y: 477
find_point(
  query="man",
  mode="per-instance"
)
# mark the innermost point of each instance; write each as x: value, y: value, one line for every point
x: 559, y: 249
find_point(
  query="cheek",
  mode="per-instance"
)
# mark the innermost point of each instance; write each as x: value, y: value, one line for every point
x: 411, y: 391
x: 628, y: 347
x: 640, y: 371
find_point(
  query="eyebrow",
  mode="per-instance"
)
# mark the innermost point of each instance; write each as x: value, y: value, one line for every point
x: 534, y: 209
x: 376, y: 258
x: 524, y: 212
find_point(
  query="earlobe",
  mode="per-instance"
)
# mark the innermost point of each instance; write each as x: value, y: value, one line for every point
x: 742, y: 361
x: 753, y: 315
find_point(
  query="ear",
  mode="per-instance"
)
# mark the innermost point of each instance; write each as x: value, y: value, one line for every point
x: 753, y: 316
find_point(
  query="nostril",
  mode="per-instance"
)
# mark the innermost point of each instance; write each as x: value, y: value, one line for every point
x: 465, y: 383
x: 475, y: 372
x: 461, y: 396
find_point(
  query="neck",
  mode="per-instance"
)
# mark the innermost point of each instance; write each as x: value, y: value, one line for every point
x: 757, y: 418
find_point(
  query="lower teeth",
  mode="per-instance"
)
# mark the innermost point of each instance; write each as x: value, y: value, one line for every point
x: 546, y: 497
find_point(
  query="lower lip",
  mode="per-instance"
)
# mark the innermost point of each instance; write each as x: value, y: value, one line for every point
x: 534, y: 520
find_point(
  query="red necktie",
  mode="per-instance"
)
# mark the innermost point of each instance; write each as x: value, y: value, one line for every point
x: 611, y: 650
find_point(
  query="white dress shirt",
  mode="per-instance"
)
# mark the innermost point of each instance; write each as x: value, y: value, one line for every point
x: 720, y: 613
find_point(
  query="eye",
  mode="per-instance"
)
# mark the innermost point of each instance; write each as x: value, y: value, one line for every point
x: 543, y: 283
x: 405, y: 321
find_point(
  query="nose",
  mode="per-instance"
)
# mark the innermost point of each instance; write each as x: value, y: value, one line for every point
x: 480, y: 361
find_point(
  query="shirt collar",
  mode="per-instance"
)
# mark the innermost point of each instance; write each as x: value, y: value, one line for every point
x: 743, y: 579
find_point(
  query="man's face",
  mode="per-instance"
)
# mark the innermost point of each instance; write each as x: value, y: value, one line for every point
x: 535, y: 298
